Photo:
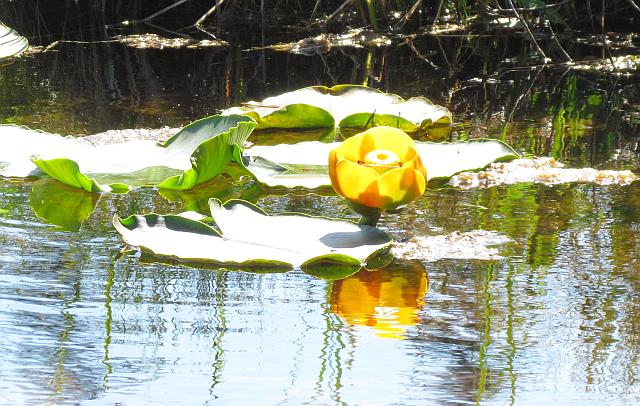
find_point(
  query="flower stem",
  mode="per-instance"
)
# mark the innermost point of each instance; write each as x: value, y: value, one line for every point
x: 370, y: 219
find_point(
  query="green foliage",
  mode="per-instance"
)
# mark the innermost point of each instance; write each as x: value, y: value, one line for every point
x: 206, y: 145
x: 211, y: 157
x: 67, y: 172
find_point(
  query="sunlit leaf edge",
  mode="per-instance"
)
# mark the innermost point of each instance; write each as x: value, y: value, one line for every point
x: 510, y: 155
x: 350, y: 121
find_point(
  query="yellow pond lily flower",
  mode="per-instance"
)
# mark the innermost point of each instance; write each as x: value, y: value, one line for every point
x: 386, y: 300
x: 379, y: 168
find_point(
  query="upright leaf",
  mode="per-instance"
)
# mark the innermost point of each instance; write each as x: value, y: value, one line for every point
x: 211, y: 157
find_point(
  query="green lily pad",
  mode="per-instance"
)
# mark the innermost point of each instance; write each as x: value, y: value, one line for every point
x: 344, y: 106
x: 11, y: 43
x: 193, y: 156
x: 331, y: 269
x: 249, y: 237
x: 305, y: 164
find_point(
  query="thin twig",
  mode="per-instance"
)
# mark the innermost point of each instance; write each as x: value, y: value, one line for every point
x: 150, y: 17
x: 633, y: 4
x: 164, y: 10
x: 526, y: 26
x: 315, y: 10
x: 407, y: 16
x: 444, y: 54
x: 522, y: 96
x: 198, y: 24
x: 419, y: 55
x: 338, y: 11
x: 603, y: 38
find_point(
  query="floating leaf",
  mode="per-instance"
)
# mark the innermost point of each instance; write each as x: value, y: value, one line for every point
x: 11, y: 43
x: 248, y: 236
x: 200, y: 150
x: 331, y: 269
x: 305, y: 164
x: 344, y: 106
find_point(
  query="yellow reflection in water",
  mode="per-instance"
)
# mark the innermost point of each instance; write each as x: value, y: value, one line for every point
x: 387, y: 299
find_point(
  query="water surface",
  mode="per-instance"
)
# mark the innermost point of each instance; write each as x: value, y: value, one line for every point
x: 556, y: 320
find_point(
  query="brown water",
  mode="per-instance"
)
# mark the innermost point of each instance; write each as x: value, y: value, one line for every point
x: 556, y: 320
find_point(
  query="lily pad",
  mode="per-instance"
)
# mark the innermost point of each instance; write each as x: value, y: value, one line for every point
x: 344, y: 106
x: 11, y: 43
x: 248, y: 237
x: 305, y: 164
x: 194, y: 155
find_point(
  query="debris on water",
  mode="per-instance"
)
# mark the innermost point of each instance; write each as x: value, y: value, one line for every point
x: 614, y: 40
x: 476, y: 244
x: 118, y: 136
x: 355, y: 38
x: 139, y: 41
x: 539, y: 170
x: 621, y: 64
x: 154, y: 41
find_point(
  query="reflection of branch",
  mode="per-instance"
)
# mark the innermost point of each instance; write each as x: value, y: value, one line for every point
x: 221, y: 329
x: 108, y: 320
x: 519, y: 99
x: 420, y: 55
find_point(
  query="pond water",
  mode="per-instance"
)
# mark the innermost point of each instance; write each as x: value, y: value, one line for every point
x: 556, y: 319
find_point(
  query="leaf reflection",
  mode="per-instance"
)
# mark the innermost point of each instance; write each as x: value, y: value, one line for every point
x: 61, y: 205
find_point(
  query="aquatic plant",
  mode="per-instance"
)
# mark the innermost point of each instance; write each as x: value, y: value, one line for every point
x: 377, y: 170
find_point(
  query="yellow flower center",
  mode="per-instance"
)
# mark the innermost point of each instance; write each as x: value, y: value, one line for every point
x: 381, y: 160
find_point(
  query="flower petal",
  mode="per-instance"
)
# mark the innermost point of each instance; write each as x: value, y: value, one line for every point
x: 357, y: 147
x: 401, y: 186
x: 355, y: 183
x: 389, y: 138
x: 333, y: 162
x: 416, y: 163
